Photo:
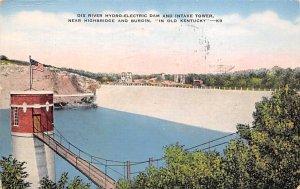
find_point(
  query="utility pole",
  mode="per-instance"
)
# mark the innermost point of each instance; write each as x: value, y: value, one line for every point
x: 128, y: 171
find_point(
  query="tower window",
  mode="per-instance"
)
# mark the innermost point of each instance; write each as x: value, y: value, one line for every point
x: 16, y: 117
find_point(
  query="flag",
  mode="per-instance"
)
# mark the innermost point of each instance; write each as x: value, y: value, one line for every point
x: 36, y: 65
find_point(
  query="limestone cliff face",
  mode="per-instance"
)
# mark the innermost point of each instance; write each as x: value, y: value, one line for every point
x: 16, y: 77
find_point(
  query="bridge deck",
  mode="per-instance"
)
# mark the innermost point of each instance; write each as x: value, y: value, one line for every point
x: 89, y: 170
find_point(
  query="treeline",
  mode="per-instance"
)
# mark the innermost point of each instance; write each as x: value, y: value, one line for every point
x: 102, y: 77
x: 265, y: 156
x: 169, y: 77
x: 3, y: 58
x: 262, y: 78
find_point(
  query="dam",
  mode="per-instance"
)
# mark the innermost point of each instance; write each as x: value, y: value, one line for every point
x: 213, y: 109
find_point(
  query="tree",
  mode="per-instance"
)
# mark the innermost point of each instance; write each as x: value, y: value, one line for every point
x: 274, y: 141
x: 123, y: 184
x: 239, y: 165
x: 46, y: 183
x: 13, y: 174
x: 276, y: 135
x: 184, y: 169
x: 104, y: 79
x: 76, y: 183
x: 3, y: 57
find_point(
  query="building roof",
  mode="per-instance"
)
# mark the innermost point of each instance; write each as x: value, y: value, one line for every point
x: 31, y: 92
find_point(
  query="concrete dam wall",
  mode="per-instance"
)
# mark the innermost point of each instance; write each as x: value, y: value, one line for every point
x: 214, y: 109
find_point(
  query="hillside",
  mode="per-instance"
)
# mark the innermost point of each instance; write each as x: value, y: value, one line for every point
x: 14, y: 75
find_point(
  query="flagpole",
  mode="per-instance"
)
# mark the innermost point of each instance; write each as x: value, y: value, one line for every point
x: 30, y: 72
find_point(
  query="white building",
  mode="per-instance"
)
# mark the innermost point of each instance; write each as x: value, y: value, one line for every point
x: 126, y: 77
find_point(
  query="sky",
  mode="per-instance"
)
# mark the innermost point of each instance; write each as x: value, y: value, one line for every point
x: 253, y: 34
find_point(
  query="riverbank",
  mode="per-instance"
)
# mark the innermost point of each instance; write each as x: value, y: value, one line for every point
x: 214, y: 109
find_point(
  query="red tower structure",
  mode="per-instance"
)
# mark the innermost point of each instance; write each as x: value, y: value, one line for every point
x: 32, y: 112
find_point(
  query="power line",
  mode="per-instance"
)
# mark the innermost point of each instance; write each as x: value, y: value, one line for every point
x: 202, y: 144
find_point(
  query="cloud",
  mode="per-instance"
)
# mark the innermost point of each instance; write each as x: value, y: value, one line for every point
x: 151, y: 47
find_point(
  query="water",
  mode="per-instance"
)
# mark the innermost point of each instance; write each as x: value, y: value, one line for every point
x: 5, y: 138
x: 114, y: 135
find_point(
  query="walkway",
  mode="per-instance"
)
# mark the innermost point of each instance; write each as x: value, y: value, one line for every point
x: 89, y: 170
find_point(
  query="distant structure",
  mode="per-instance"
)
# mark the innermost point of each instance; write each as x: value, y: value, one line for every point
x: 179, y: 78
x: 126, y: 77
x: 220, y: 68
x: 32, y: 112
x: 198, y: 83
x: 123, y: 77
x: 163, y: 77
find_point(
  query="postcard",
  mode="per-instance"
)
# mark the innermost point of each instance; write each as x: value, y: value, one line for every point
x: 150, y: 94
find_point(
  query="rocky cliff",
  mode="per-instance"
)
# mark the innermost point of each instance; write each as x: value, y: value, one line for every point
x: 16, y: 77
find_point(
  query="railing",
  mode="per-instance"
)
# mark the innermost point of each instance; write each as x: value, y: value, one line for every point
x: 212, y: 145
x: 188, y: 86
x: 78, y: 160
x: 121, y: 169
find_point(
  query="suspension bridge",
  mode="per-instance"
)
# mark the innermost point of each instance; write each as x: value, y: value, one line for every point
x: 98, y: 169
